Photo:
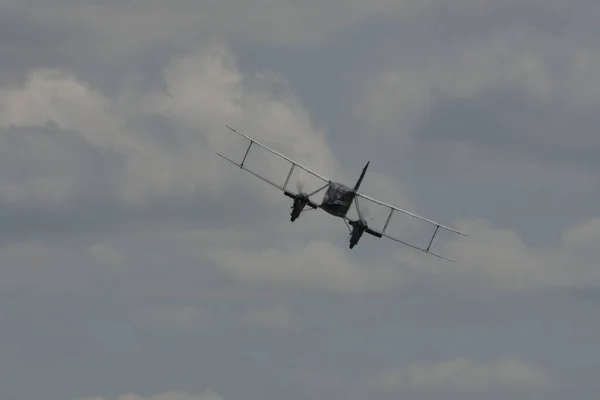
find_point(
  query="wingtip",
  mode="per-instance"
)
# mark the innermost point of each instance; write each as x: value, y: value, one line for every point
x: 442, y: 257
x: 453, y: 230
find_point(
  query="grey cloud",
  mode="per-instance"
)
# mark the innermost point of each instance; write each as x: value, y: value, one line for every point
x: 420, y: 325
x: 42, y: 331
x: 148, y: 24
x: 491, y: 117
x: 74, y: 176
x: 464, y: 376
x: 173, y: 395
x: 504, y: 61
x: 502, y: 122
x: 108, y: 286
x: 277, y: 317
x: 26, y: 44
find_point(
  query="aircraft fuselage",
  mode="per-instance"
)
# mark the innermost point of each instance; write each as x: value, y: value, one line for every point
x: 338, y: 198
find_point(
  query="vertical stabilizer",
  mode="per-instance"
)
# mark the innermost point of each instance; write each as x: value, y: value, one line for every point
x: 362, y: 175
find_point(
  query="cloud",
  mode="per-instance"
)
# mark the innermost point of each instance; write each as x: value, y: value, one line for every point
x: 93, y: 162
x: 83, y: 149
x: 115, y: 208
x: 465, y: 376
x: 278, y: 317
x: 172, y: 395
x: 138, y: 152
x: 505, y: 92
x: 55, y: 267
x: 319, y: 265
x: 123, y: 26
x: 173, y: 316
x: 75, y: 161
x: 498, y: 259
x: 582, y: 236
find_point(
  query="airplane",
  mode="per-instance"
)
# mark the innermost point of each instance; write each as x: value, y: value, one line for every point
x: 337, y: 200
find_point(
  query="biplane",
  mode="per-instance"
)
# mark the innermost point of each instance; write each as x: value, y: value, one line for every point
x: 337, y: 200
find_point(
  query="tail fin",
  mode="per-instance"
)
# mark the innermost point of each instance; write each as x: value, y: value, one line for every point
x: 362, y: 175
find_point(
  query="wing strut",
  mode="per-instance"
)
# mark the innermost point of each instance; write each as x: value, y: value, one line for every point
x: 318, y: 190
x: 418, y: 248
x: 295, y: 165
x: 431, y: 241
x: 347, y: 226
x: 327, y: 182
x: 246, y: 155
x: 278, y: 154
x: 387, y: 222
x: 287, y: 180
x: 252, y: 172
x: 408, y: 213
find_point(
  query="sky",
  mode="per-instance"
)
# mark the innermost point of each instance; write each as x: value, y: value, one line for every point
x: 135, y: 264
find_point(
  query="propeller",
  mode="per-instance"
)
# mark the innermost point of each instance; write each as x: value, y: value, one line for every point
x: 300, y: 186
x: 363, y: 211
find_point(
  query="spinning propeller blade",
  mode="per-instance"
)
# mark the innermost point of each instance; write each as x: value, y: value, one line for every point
x: 362, y: 212
x: 365, y: 212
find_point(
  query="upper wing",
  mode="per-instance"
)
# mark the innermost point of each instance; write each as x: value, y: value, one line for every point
x: 414, y: 226
x: 318, y: 181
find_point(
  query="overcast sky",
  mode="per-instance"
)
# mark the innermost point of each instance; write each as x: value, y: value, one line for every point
x: 135, y: 264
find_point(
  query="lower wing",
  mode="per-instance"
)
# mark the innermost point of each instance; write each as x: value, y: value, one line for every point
x: 387, y: 221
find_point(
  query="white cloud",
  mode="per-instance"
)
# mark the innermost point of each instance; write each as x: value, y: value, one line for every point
x: 583, y: 236
x: 464, y: 376
x: 203, y: 93
x: 318, y: 265
x: 66, y: 146
x: 113, y: 157
x: 498, y: 259
x: 172, y: 395
x: 64, y: 142
x: 53, y: 96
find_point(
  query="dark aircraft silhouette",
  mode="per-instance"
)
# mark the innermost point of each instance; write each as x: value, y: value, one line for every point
x: 337, y: 201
